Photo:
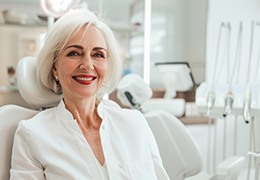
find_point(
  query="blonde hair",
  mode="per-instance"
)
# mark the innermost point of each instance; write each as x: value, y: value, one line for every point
x: 57, y: 37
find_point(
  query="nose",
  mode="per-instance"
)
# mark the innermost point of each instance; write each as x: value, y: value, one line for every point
x: 86, y: 64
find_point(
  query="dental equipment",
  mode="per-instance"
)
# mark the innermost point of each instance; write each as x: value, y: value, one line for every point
x: 247, y: 101
x: 176, y: 76
x: 139, y: 94
x: 245, y: 98
x: 211, y: 94
x: 214, y: 96
x: 175, y: 142
x: 236, y: 69
x: 248, y: 117
x: 169, y: 132
x: 229, y: 96
x: 56, y: 8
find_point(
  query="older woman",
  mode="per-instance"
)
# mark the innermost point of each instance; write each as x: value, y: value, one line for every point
x: 84, y: 137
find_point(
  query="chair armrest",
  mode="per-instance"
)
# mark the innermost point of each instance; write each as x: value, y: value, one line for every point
x: 231, y: 167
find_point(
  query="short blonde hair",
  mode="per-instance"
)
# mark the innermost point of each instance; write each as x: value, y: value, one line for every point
x: 58, y: 36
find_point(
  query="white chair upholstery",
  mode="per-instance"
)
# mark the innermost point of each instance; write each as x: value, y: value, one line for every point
x: 180, y: 154
x: 10, y: 115
x: 28, y: 87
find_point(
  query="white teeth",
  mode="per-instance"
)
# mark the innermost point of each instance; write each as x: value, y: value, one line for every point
x: 84, y: 78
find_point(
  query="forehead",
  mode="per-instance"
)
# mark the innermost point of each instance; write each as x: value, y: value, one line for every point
x: 88, y: 36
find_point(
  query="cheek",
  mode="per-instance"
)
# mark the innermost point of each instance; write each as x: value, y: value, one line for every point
x: 66, y: 68
x: 102, y: 69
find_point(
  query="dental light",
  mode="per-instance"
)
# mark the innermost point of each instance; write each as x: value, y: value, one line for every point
x: 176, y: 76
x: 56, y: 8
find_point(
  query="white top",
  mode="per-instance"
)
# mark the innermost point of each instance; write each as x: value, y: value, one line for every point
x: 51, y: 146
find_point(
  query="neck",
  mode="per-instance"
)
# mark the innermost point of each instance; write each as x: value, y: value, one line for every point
x: 85, y: 113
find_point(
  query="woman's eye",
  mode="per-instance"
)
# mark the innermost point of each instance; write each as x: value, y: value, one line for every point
x: 73, y: 53
x: 99, y: 55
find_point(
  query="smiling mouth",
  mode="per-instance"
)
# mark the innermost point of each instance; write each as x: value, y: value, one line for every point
x: 84, y: 79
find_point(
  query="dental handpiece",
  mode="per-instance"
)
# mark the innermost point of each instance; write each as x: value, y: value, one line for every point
x: 210, y: 101
x: 228, y: 104
x: 247, y: 107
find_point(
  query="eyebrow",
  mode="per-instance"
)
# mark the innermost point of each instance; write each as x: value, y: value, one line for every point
x: 80, y: 47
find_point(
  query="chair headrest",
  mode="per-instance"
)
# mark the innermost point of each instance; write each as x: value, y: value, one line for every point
x: 136, y: 87
x: 30, y: 89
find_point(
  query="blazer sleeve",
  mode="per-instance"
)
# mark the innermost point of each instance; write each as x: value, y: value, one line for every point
x: 24, y: 165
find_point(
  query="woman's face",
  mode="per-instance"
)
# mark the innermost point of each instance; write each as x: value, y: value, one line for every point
x: 82, y: 65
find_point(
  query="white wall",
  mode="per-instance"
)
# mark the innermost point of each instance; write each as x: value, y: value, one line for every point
x: 233, y: 11
x: 186, y: 36
x: 16, y: 42
x: 195, y: 26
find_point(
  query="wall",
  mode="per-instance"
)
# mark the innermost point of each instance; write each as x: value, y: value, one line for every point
x: 178, y: 34
x: 233, y: 11
x: 17, y: 42
x: 195, y: 27
x: 186, y: 35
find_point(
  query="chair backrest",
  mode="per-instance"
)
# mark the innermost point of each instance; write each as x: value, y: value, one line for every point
x: 179, y: 152
x: 30, y: 90
x: 10, y: 115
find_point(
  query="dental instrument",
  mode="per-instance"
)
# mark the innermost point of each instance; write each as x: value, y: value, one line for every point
x: 229, y: 96
x: 247, y: 107
x: 247, y: 101
x: 211, y: 94
x: 211, y: 100
x: 236, y: 69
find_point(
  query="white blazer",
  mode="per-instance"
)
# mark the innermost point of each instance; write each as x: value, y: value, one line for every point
x: 51, y: 146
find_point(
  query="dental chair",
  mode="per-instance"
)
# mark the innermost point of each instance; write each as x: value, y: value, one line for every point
x: 172, y: 136
x: 180, y: 154
x: 10, y: 115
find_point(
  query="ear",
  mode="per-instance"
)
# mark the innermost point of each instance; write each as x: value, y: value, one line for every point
x: 54, y: 71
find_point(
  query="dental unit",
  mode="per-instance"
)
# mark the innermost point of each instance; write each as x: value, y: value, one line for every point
x: 235, y: 97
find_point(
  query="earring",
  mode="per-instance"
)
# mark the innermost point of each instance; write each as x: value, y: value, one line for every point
x: 56, y: 77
